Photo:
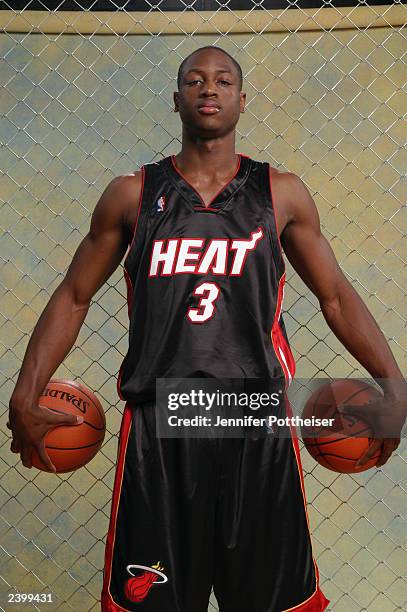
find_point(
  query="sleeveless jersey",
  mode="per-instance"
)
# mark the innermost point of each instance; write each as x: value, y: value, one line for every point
x: 204, y: 285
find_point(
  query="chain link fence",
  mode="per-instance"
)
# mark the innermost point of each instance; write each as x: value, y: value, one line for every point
x: 87, y: 96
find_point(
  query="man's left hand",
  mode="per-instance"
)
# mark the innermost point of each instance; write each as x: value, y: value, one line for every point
x: 386, y: 417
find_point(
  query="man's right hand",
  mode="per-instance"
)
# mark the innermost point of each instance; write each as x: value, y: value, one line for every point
x: 29, y: 424
x: 96, y: 258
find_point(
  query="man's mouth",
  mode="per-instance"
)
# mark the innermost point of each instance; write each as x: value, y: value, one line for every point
x: 208, y: 109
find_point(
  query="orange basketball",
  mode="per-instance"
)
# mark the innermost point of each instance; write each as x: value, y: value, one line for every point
x: 339, y: 447
x: 70, y: 447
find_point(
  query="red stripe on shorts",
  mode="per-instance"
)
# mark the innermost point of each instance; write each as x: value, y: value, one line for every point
x: 108, y: 604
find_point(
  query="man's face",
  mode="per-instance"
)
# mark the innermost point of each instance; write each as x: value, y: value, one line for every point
x: 209, y: 100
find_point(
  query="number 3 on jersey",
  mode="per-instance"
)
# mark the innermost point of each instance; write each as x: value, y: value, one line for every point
x: 206, y: 307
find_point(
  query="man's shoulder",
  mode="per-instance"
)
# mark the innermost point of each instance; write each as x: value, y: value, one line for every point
x: 124, y: 181
x: 290, y: 195
x: 125, y: 187
x: 287, y: 185
x: 284, y: 177
x: 119, y: 199
x: 128, y: 187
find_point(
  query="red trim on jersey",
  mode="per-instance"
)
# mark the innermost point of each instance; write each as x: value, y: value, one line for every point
x: 108, y: 605
x: 127, y: 278
x: 130, y: 291
x: 280, y: 344
x: 274, y: 213
x: 143, y: 174
x: 196, y: 191
x: 205, y: 209
x: 119, y: 380
x: 281, y: 347
x: 129, y: 287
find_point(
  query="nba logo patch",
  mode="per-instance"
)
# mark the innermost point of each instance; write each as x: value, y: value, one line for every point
x: 160, y: 204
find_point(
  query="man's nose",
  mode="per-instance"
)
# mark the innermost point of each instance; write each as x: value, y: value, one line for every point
x: 208, y: 88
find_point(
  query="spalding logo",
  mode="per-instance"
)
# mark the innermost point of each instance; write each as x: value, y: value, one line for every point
x: 78, y: 402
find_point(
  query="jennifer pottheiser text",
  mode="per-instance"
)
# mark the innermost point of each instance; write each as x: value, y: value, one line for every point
x: 248, y: 421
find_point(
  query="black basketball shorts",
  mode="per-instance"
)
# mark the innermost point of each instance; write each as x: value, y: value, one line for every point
x: 189, y: 514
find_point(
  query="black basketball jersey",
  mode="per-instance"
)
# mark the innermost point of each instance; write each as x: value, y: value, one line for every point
x: 205, y: 284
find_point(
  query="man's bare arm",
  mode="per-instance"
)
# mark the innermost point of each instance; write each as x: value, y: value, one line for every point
x: 96, y: 258
x: 345, y: 312
x: 312, y: 257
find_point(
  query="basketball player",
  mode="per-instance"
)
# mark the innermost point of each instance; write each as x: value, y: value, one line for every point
x: 204, y: 232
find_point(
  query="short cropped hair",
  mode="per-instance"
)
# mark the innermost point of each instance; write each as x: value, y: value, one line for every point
x: 235, y: 63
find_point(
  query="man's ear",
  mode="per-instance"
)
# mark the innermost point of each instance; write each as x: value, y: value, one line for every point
x: 242, y: 101
x: 175, y: 96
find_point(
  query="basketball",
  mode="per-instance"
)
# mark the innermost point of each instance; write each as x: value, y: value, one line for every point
x: 71, y: 447
x: 339, y: 447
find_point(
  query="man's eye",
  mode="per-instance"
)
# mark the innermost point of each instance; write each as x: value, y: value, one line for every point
x: 194, y: 81
x: 225, y: 82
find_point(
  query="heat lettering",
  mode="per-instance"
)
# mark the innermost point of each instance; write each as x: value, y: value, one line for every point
x: 185, y: 255
x: 242, y: 248
x: 165, y: 258
x: 215, y: 258
x: 199, y: 256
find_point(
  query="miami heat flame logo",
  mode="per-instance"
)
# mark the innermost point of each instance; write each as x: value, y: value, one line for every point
x: 138, y: 586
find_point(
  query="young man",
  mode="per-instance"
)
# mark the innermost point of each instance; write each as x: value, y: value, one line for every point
x: 205, y: 277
